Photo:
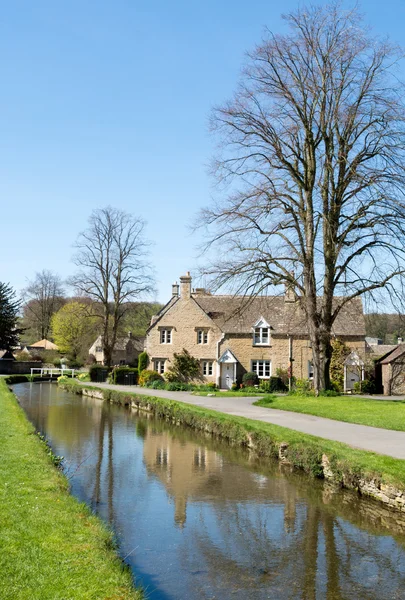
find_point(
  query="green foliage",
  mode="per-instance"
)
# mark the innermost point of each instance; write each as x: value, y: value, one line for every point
x: 143, y: 361
x: 274, y: 384
x: 9, y: 308
x: 24, y: 357
x: 329, y: 393
x: 83, y: 377
x: 73, y: 328
x: 249, y: 379
x: 184, y: 368
x: 368, y: 386
x: 283, y: 375
x: 123, y: 375
x: 339, y: 354
x: 302, y: 387
x: 138, y: 316
x: 149, y: 375
x: 98, y: 373
x: 156, y: 384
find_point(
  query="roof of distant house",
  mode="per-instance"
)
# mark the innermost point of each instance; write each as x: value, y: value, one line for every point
x: 44, y: 345
x: 392, y: 356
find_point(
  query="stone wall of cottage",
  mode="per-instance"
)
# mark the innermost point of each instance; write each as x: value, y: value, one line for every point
x: 393, y: 378
x: 278, y: 352
x: 184, y: 319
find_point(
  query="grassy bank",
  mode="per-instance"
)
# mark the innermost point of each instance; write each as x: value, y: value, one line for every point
x: 305, y: 452
x: 364, y: 411
x: 51, y: 546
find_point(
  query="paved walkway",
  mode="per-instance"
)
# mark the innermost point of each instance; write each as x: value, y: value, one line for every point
x: 382, y: 441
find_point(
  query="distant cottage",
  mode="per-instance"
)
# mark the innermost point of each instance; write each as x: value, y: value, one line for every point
x: 231, y: 335
x: 126, y: 351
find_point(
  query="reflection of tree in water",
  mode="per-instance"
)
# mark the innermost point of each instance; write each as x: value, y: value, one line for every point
x: 105, y: 418
x: 245, y: 551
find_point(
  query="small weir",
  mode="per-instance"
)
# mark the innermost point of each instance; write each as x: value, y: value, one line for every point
x: 196, y: 519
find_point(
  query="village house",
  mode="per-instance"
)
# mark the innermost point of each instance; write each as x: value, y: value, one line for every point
x: 231, y: 335
x: 126, y: 351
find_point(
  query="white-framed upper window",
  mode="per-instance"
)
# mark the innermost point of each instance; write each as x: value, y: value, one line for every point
x: 207, y: 367
x: 262, y: 368
x: 202, y: 336
x: 99, y: 348
x: 261, y: 333
x: 159, y: 365
x: 165, y: 336
x: 310, y: 369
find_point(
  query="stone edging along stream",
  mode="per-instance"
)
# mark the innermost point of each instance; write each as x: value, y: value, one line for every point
x: 307, y: 454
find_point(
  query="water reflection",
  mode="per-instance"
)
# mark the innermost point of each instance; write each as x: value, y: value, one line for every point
x: 199, y: 519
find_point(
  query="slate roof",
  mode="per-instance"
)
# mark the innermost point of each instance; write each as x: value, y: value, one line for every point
x: 380, y: 350
x: 137, y: 341
x: 392, y: 356
x: 236, y: 314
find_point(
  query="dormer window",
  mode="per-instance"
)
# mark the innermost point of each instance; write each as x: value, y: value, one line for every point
x: 261, y: 333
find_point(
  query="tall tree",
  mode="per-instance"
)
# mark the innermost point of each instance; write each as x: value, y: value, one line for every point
x: 112, y: 255
x: 9, y: 308
x: 44, y: 296
x: 312, y: 148
x: 74, y: 329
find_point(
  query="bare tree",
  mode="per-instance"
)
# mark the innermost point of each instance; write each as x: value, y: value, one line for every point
x: 312, y: 149
x: 43, y: 297
x: 113, y: 269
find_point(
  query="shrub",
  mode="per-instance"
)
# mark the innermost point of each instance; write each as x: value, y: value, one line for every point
x: 84, y: 377
x: 57, y: 363
x: 250, y: 379
x: 23, y: 356
x: 178, y: 386
x: 124, y: 375
x: 274, y: 384
x: 91, y: 360
x: 184, y: 367
x: 98, y: 373
x: 302, y: 387
x: 148, y: 375
x: 143, y: 361
x: 329, y: 393
x: 368, y: 386
x: 74, y: 363
x: 156, y: 384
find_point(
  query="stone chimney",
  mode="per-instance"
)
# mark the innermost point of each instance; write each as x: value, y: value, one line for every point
x: 175, y: 290
x: 185, y: 286
x: 289, y: 295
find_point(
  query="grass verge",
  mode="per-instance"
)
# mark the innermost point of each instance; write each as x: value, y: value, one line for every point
x: 364, y: 411
x: 304, y: 451
x: 52, y: 547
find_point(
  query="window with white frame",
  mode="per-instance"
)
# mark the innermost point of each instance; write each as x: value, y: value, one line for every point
x: 262, y: 368
x: 165, y: 336
x: 207, y: 367
x: 159, y: 365
x: 202, y: 336
x: 310, y: 369
x: 99, y: 348
x: 261, y: 333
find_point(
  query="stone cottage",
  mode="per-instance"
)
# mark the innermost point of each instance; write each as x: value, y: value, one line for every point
x: 231, y: 335
x: 391, y: 369
x: 126, y: 351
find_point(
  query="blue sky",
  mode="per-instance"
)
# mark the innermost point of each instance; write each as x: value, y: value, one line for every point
x: 108, y: 103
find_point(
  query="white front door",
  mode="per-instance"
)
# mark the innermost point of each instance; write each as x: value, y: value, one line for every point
x: 227, y: 375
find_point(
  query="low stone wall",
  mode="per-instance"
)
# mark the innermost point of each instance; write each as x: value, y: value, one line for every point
x: 13, y: 367
x: 303, y: 456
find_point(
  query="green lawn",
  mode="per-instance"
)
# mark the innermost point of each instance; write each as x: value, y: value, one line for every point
x: 228, y: 394
x: 376, y: 413
x: 52, y: 548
